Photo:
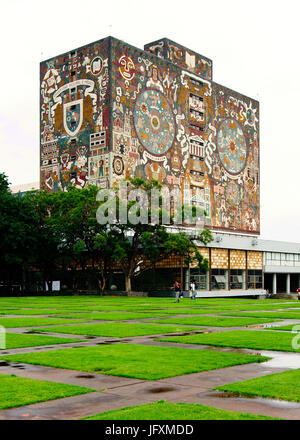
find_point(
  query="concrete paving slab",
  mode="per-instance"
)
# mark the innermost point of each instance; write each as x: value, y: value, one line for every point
x: 267, y: 407
x: 214, y: 378
x: 70, y: 408
x: 72, y: 377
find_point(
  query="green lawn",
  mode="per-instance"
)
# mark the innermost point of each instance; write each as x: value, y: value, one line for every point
x: 122, y: 316
x: 31, y: 322
x: 111, y: 316
x: 264, y: 307
x: 279, y: 315
x: 19, y: 391
x: 116, y: 330
x: 29, y: 312
x: 214, y: 321
x: 257, y: 340
x: 162, y: 410
x: 285, y: 386
x: 287, y: 327
x: 16, y: 340
x: 137, y: 361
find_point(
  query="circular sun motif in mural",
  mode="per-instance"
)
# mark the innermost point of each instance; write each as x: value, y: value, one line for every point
x: 232, y: 146
x: 118, y: 165
x: 154, y: 122
x: 126, y: 67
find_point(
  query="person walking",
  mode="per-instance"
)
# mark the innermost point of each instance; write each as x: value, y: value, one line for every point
x: 193, y: 289
x: 177, y: 289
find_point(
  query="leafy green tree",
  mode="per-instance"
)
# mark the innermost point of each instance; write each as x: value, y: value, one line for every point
x: 84, y: 243
x: 17, y: 236
x: 138, y: 245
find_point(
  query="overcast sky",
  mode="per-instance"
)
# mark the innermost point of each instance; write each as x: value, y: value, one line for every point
x: 255, y: 51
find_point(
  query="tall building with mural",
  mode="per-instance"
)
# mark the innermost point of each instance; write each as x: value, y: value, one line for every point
x: 110, y: 110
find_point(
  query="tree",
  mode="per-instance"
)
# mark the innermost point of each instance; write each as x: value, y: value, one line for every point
x: 83, y: 241
x: 139, y: 244
x: 16, y: 236
x: 45, y: 242
x: 186, y: 248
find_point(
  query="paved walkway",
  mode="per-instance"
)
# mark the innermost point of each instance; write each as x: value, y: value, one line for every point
x: 116, y: 392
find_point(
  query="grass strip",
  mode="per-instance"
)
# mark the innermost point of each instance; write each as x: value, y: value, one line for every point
x: 137, y: 361
x: 214, y: 321
x: 162, y: 410
x: 284, y: 386
x: 29, y: 312
x: 116, y: 330
x: 19, y: 391
x: 289, y: 328
x: 257, y: 340
x: 31, y: 322
x: 110, y: 316
x: 279, y: 315
x: 16, y: 340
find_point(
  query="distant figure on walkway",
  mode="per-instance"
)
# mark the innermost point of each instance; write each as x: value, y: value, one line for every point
x: 267, y: 294
x: 177, y: 289
x: 193, y: 289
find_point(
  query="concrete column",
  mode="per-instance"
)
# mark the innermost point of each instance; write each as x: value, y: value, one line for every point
x: 274, y: 284
x: 187, y: 279
x: 228, y: 274
x: 244, y: 279
x: 288, y: 283
x: 207, y: 279
x: 227, y: 279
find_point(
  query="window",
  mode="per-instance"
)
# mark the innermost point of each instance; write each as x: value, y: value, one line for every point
x: 196, y: 127
x: 254, y: 279
x: 196, y: 82
x: 236, y: 279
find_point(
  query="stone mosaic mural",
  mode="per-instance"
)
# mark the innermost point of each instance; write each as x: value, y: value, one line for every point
x: 75, y: 119
x: 151, y: 114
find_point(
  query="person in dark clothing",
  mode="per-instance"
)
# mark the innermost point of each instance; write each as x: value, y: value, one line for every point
x: 177, y: 289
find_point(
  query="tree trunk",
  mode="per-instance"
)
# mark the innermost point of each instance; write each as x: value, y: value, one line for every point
x: 128, y: 283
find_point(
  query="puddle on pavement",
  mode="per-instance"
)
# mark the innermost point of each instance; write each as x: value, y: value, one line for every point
x: 281, y: 360
x: 265, y: 400
x: 109, y: 342
x: 183, y: 334
x: 4, y: 364
x: 161, y: 390
x: 18, y: 366
x: 85, y: 376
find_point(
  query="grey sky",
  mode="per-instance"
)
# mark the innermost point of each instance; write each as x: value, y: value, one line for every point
x: 253, y: 45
